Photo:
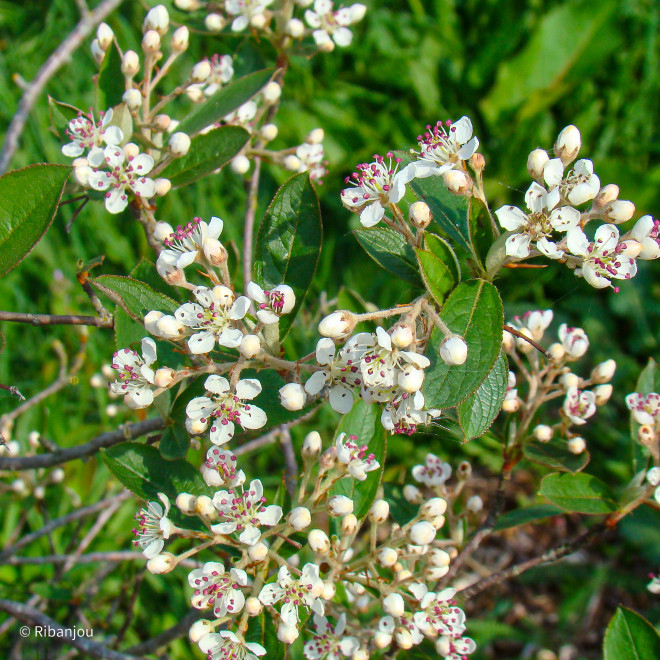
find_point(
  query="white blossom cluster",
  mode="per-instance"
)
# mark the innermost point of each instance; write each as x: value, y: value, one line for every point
x: 402, y: 606
x: 554, y: 226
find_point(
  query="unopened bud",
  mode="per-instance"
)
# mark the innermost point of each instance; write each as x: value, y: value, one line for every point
x: 291, y: 163
x: 315, y: 136
x: 81, y: 173
x: 179, y: 144
x: 577, y: 445
x: 164, y: 377
x: 268, y: 132
x: 161, y: 123
x: 169, y: 328
x: 111, y: 410
x: 259, y: 21
x: 619, y: 211
x: 645, y: 435
x: 402, y: 335
x: 403, y: 638
x: 607, y: 195
x: 132, y: 98
x: 432, y: 508
x: 337, y: 325
x: 568, y: 144
x: 543, y: 432
x: 410, y: 379
x: 349, y: 523
x: 433, y: 573
x: 196, y: 426
x: 387, y: 557
x: 187, y: 5
x: 157, y: 19
x: 328, y: 459
x: 360, y: 654
x: 556, y: 352
x: 258, y: 552
x: 420, y: 215
x: 453, y: 350
x: 569, y: 380
x: 511, y: 405
x: 340, y: 505
x: 412, y: 494
x: 97, y: 52
x: 186, y: 503
x: 603, y: 394
x: 201, y: 71
x: 311, y: 445
x: 299, y: 518
x: 151, y: 42
x: 536, y: 162
x: 474, y: 504
x: 205, y: 508
x: 180, y: 39
x: 508, y: 342
x: 318, y: 541
x: 457, y: 182
x: 438, y: 557
x: 57, y: 476
x: 253, y: 606
x: 271, y: 93
x: 162, y: 563
x: 104, y: 36
x: 39, y: 493
x: 477, y: 162
x: 464, y: 470
x: 131, y: 150
x: 422, y: 533
x: 250, y: 346
x: 379, y: 512
x: 214, y: 22
x: 653, y: 476
x: 393, y: 604
x: 382, y: 639
x: 630, y: 248
x: 199, y: 629
x: 162, y: 186
x: 240, y: 164
x: 292, y: 396
x: 522, y: 344
x: 295, y: 28
x: 603, y: 372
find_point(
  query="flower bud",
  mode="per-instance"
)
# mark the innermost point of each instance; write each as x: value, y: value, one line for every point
x: 211, y: 477
x: 412, y: 494
x: 104, y: 36
x: 271, y: 93
x: 162, y: 231
x: 108, y: 372
x: 653, y: 476
x: 387, y: 557
x: 631, y: 248
x: 157, y: 19
x: 457, y: 182
x: 186, y: 503
x: 382, y: 639
x: 130, y: 63
x: 169, y: 328
x: 291, y: 163
x: 402, y: 335
x: 196, y: 426
x: 603, y: 372
x: 315, y: 136
x: 419, y: 215
x: 253, y: 606
x: 268, y: 132
x: 214, y: 251
x: 607, y: 195
x: 199, y: 629
x: 393, y: 604
x: 292, y: 396
x: 162, y: 563
x: 39, y: 493
x: 329, y: 590
x: 360, y: 654
x: 164, y: 377
x: 508, y: 342
x: 379, y: 512
x: 511, y: 405
x: 403, y: 638
x: 249, y: 346
x: 422, y: 533
x: 438, y: 557
x: 131, y: 150
x: 258, y: 22
x: 312, y: 445
x: 337, y: 325
x: 603, y: 394
x: 34, y: 439
x: 132, y: 98
x: 240, y: 164
x: 318, y: 541
x: 645, y: 435
x: 569, y: 380
x: 201, y: 71
x: 258, y: 552
x: 162, y: 186
x: 287, y: 634
x: 179, y: 144
x: 97, y: 52
x: 187, y: 5
x: 112, y: 410
x: 556, y: 352
x: 81, y: 173
x: 214, y: 22
x: 410, y: 379
x: 151, y: 42
x: 299, y: 518
x: 453, y: 350
x: 340, y: 505
x: 568, y: 144
x: 543, y: 432
x: 433, y: 508
x: 161, y: 123
x: 180, y: 39
x: 474, y: 504
x: 349, y: 524
x: 577, y: 445
x: 57, y: 476
x: 295, y: 28
x: 205, y: 508
x: 619, y: 211
x: 328, y: 459
x: 433, y: 573
x: 536, y: 162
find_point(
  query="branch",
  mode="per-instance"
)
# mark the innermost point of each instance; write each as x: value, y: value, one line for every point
x: 56, y: 319
x: 176, y: 631
x: 529, y: 340
x: 33, y: 616
x: 62, y: 55
x: 122, y: 434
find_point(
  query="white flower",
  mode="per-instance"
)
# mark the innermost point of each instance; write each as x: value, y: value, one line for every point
x: 375, y: 186
x: 328, y: 24
x: 272, y: 304
x: 405, y: 412
x: 225, y: 645
x: 218, y: 590
x: 644, y: 408
x: 654, y: 585
x: 536, y: 322
x: 242, y: 117
x: 219, y: 469
x: 330, y: 644
x: 579, y: 406
x: 355, y: 457
x: 86, y: 133
x: 455, y: 646
x: 212, y: 317
x: 579, y: 186
x: 574, y: 341
x: 304, y: 591
x: 433, y: 473
x: 153, y: 527
x: 441, y: 150
x: 227, y: 408
x: 603, y: 259
x: 245, y: 11
x: 645, y: 232
x: 537, y: 225
x: 312, y: 159
x: 135, y: 375
x: 123, y: 177
x: 186, y: 244
x: 222, y: 71
x: 245, y: 512
x: 437, y: 613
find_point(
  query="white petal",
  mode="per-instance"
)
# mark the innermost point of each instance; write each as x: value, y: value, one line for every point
x: 267, y: 317
x: 201, y: 342
x: 239, y: 308
x: 113, y: 134
x: 372, y: 214
x: 342, y: 36
x: 510, y: 217
x: 341, y: 399
x: 149, y: 350
x: 116, y: 201
x: 248, y: 388
x: 254, y: 418
x: 462, y: 130
x: 256, y: 293
x: 517, y: 245
x: 553, y: 171
x: 217, y: 384
x: 215, y: 227
x: 577, y: 241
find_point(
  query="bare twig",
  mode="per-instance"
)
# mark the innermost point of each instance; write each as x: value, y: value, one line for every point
x: 13, y: 390
x: 178, y: 630
x: 529, y: 340
x: 33, y: 616
x: 63, y: 53
x: 104, y: 440
x: 56, y: 319
x: 89, y: 558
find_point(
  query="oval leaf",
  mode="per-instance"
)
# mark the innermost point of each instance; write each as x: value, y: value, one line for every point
x: 527, y: 515
x: 630, y: 636
x: 556, y: 455
x: 444, y: 252
x: 580, y: 493
x: 110, y: 85
x: 28, y: 202
x: 474, y: 311
x: 436, y: 275
x: 289, y: 241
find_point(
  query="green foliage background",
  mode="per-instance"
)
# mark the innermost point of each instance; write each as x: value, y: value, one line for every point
x: 521, y: 70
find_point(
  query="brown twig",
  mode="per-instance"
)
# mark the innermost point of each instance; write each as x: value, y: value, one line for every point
x: 13, y: 390
x: 529, y: 340
x: 56, y: 319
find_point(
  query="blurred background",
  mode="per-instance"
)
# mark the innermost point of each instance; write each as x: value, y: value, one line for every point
x: 521, y: 70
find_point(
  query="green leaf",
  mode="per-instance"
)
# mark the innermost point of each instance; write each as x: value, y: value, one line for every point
x: 441, y: 249
x: 477, y: 413
x: 363, y: 422
x: 474, y: 311
x: 289, y: 241
x: 61, y: 114
x: 207, y: 153
x: 556, y: 455
x: 145, y: 271
x: 390, y: 251
x: 527, y: 515
x: 401, y: 510
x: 135, y: 297
x: 142, y: 470
x: 127, y: 331
x: 436, y: 275
x: 28, y: 202
x: 580, y: 493
x: 110, y: 85
x: 174, y: 443
x: 224, y: 101
x: 630, y: 636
